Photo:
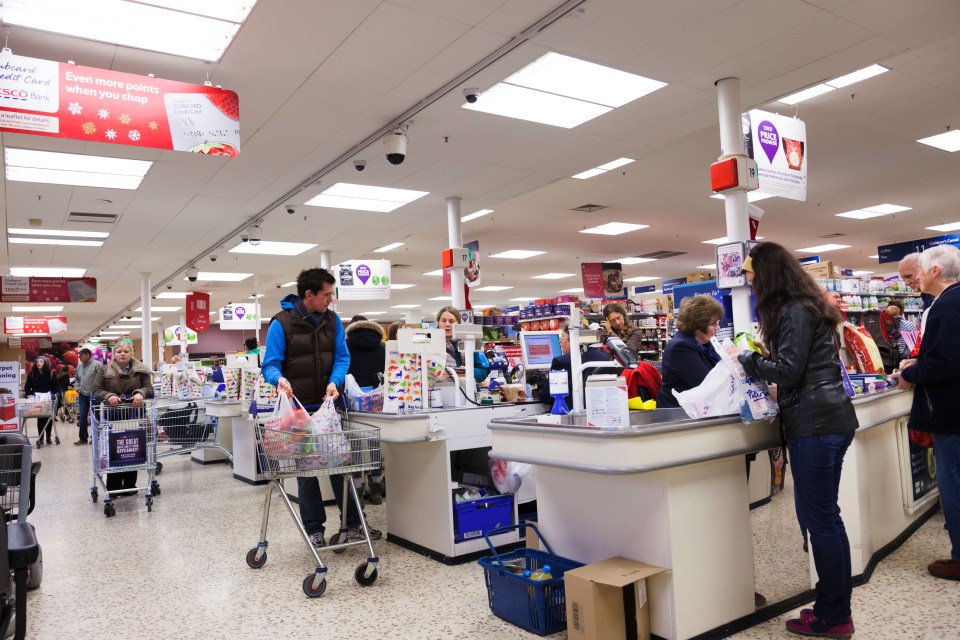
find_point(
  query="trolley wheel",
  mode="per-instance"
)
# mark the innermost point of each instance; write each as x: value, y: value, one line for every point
x: 338, y: 538
x: 35, y: 572
x: 159, y: 468
x: 94, y: 495
x: 109, y: 510
x: 309, y: 589
x: 155, y: 488
x: 149, y: 504
x: 360, y: 575
x: 255, y: 563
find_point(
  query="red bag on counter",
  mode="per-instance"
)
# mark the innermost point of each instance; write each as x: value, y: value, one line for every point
x: 862, y: 348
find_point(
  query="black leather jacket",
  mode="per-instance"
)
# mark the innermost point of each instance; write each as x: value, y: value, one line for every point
x: 804, y: 366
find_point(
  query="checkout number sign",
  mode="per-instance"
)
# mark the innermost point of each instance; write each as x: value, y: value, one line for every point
x: 9, y: 392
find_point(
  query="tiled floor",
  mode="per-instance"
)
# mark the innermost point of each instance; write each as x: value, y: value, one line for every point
x: 180, y: 572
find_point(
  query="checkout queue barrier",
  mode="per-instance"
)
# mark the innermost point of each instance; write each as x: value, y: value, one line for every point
x: 671, y: 491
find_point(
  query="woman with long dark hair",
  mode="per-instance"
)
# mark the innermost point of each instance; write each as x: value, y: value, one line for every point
x: 817, y: 417
x: 41, y: 380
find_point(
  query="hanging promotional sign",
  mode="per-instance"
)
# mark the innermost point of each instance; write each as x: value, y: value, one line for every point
x: 471, y: 274
x: 20, y: 289
x: 779, y: 145
x: 44, y: 324
x: 46, y: 98
x: 240, y: 316
x: 172, y: 334
x: 29, y: 344
x: 603, y: 280
x: 896, y: 252
x: 198, y: 311
x: 9, y: 392
x: 363, y: 279
x: 730, y: 257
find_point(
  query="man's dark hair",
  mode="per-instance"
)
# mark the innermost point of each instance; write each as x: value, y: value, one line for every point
x: 250, y: 343
x: 85, y: 351
x: 312, y: 280
x: 357, y: 318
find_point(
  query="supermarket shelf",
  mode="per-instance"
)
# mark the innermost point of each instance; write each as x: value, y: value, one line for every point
x: 630, y: 315
x: 519, y: 320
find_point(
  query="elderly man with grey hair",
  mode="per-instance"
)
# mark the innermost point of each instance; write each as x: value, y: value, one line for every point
x: 909, y: 269
x: 935, y: 374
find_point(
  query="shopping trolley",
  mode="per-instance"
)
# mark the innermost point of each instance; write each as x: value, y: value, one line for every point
x: 39, y: 407
x: 184, y: 426
x: 291, y: 454
x: 69, y: 409
x: 124, y: 439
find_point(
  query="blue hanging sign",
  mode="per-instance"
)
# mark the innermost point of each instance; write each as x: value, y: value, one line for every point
x: 895, y: 252
x: 668, y: 285
x: 810, y: 260
x: 647, y: 289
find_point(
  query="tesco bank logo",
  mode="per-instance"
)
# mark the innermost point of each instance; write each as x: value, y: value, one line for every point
x: 13, y: 94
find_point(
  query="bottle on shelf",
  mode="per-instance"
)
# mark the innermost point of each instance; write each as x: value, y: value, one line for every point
x: 542, y: 574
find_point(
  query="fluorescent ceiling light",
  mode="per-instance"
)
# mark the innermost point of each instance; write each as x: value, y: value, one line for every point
x: 860, y: 214
x: 706, y: 266
x: 553, y: 276
x: 394, y: 285
x: 255, y: 296
x: 62, y: 242
x: 373, y: 313
x: 442, y: 298
x: 272, y: 248
x: 438, y: 272
x: 28, y: 165
x: 589, y: 173
x: 722, y: 240
x: 752, y: 196
x: 493, y: 287
x: 219, y: 276
x: 201, y: 29
x: 475, y: 215
x: 877, y: 257
x: 950, y: 226
x: 483, y: 306
x: 46, y: 272
x: 603, y: 168
x: 406, y: 306
x: 517, y: 254
x: 160, y: 309
x: 59, y: 233
x: 388, y: 247
x: 344, y: 195
x: 536, y: 106
x: 641, y: 279
x: 125, y: 327
x: 824, y: 248
x: 632, y: 260
x: 522, y: 299
x: 862, y: 273
x: 806, y: 94
x: 293, y: 283
x: 173, y: 294
x: 949, y: 141
x: 140, y: 319
x: 573, y: 290
x: 857, y: 76
x: 53, y: 307
x: 615, y: 228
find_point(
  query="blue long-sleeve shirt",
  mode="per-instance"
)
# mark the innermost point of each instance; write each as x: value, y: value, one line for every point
x: 276, y: 350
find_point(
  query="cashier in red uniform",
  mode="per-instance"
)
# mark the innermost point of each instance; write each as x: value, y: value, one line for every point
x: 689, y: 355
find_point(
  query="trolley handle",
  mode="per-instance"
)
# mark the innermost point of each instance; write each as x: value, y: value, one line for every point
x: 500, y: 530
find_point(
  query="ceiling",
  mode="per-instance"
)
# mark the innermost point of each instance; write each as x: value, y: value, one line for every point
x: 320, y: 81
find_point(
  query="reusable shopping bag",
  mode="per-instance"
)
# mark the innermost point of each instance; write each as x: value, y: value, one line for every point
x: 360, y: 400
x: 717, y: 395
x: 329, y: 446
x: 264, y: 393
x: 286, y: 431
x: 756, y: 403
x: 401, y: 393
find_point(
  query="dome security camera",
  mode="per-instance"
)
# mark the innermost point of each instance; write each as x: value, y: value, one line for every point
x: 254, y: 233
x: 471, y: 94
x: 395, y: 146
x: 359, y: 165
x: 213, y: 257
x: 169, y: 286
x: 193, y: 273
x: 291, y: 209
x: 244, y: 237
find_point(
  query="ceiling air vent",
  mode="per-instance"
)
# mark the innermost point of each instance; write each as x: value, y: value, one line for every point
x: 589, y: 208
x: 663, y: 255
x: 397, y: 265
x: 833, y: 235
x: 100, y: 218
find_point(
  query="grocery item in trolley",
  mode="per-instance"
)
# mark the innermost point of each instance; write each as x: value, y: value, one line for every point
x: 36, y: 405
x: 167, y: 384
x: 328, y: 446
x: 312, y: 442
x: 190, y: 385
x: 285, y: 432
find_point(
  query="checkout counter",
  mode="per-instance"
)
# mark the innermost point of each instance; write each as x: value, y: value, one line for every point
x: 671, y: 491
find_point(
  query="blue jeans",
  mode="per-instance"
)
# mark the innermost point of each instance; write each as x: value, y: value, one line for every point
x: 312, y: 513
x: 946, y: 450
x: 83, y: 416
x: 816, y: 462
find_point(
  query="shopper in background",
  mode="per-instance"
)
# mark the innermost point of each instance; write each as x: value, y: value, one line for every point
x: 936, y: 399
x: 816, y: 415
x: 86, y: 376
x: 41, y: 380
x: 126, y: 381
x: 447, y: 317
x: 893, y: 325
x: 615, y: 323
x: 306, y: 356
x: 392, y: 330
x: 367, y: 358
x: 563, y: 363
x: 909, y: 269
x: 252, y: 345
x: 690, y: 355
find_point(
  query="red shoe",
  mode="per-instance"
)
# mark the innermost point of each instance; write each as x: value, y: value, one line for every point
x: 946, y: 569
x: 812, y: 626
x: 807, y: 615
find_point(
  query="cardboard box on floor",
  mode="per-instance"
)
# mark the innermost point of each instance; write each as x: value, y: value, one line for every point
x: 607, y: 600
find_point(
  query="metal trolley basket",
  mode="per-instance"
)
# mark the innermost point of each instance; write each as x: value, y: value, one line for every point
x: 39, y: 408
x: 290, y: 454
x: 124, y: 439
x: 184, y: 426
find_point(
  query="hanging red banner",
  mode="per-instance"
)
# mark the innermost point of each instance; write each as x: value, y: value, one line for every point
x: 44, y: 324
x: 198, y: 311
x: 47, y: 98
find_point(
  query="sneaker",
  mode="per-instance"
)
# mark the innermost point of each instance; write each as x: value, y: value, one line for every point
x: 812, y: 626
x: 376, y: 493
x: 356, y: 533
x: 80, y: 442
x: 317, y: 539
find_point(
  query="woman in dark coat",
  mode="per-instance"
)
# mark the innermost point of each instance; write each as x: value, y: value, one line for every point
x: 690, y: 355
x: 367, y: 359
x: 42, y: 380
x: 817, y: 416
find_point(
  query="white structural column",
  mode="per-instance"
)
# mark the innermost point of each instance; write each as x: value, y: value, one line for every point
x: 735, y: 201
x: 412, y: 316
x: 325, y: 259
x: 146, y: 308
x: 184, y: 354
x: 455, y: 240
